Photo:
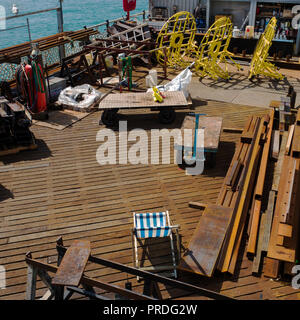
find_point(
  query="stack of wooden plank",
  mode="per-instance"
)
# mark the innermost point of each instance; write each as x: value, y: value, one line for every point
x: 278, y: 234
x: 219, y: 249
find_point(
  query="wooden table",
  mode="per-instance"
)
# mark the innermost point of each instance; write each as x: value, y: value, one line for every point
x: 142, y: 100
x: 212, y: 131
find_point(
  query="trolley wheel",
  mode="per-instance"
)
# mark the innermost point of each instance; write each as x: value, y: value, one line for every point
x: 166, y: 115
x: 109, y: 117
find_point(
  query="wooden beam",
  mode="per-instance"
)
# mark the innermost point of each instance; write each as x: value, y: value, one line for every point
x: 285, y: 230
x: 268, y: 222
x: 276, y: 250
x: 296, y: 142
x: 298, y: 118
x: 289, y: 140
x: 259, y: 189
x: 243, y: 194
x: 257, y: 259
x: 288, y: 192
x: 278, y: 168
x: 275, y: 144
x: 233, y: 130
x: 271, y: 268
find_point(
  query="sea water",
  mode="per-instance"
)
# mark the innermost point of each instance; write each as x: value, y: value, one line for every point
x: 77, y: 14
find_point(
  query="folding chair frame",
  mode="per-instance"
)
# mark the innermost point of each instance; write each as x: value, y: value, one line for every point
x: 158, y: 268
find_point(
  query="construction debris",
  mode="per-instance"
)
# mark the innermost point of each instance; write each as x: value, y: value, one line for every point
x: 272, y: 234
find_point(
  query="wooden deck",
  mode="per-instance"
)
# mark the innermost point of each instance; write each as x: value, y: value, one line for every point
x: 60, y: 190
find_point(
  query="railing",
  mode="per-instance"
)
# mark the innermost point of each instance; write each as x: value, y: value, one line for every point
x: 53, y: 55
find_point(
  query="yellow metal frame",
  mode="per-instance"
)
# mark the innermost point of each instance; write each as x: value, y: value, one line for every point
x: 177, y: 35
x: 214, y: 50
x: 259, y: 64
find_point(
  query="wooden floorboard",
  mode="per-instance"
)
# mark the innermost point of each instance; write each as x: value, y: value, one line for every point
x: 60, y: 190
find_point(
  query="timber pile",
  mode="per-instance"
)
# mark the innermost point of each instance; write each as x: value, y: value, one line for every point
x: 278, y: 236
x: 273, y: 234
x: 15, y: 53
x: 219, y: 249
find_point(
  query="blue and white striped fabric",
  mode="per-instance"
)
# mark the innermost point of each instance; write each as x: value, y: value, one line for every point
x: 151, y: 225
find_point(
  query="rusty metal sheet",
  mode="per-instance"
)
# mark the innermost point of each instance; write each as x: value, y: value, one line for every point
x: 72, y: 266
x: 142, y: 100
x: 205, y: 245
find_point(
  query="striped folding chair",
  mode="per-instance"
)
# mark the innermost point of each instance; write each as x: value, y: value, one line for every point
x: 154, y: 225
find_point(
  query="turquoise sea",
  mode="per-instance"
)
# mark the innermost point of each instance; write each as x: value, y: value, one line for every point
x: 76, y: 15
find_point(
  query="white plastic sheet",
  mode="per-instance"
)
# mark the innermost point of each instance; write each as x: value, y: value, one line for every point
x: 179, y: 83
x: 79, y: 98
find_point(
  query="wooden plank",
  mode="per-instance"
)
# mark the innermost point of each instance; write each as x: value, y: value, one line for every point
x: 285, y: 230
x: 298, y: 118
x: 73, y: 264
x: 239, y: 206
x: 257, y: 259
x: 268, y: 222
x: 233, y: 130
x: 205, y: 245
x: 285, y: 205
x: 289, y: 140
x: 236, y: 168
x: 275, y: 103
x: 63, y: 198
x: 275, y: 249
x: 271, y: 268
x: 296, y: 142
x: 247, y: 137
x: 234, y: 257
x: 254, y: 223
x: 278, y: 168
x: 294, y: 214
x: 264, y: 160
x: 143, y: 100
x: 275, y: 144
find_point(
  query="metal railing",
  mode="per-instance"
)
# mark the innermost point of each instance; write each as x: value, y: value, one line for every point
x: 55, y: 54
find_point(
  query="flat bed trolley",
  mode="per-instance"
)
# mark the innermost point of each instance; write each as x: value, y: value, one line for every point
x: 141, y: 100
x: 212, y: 130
